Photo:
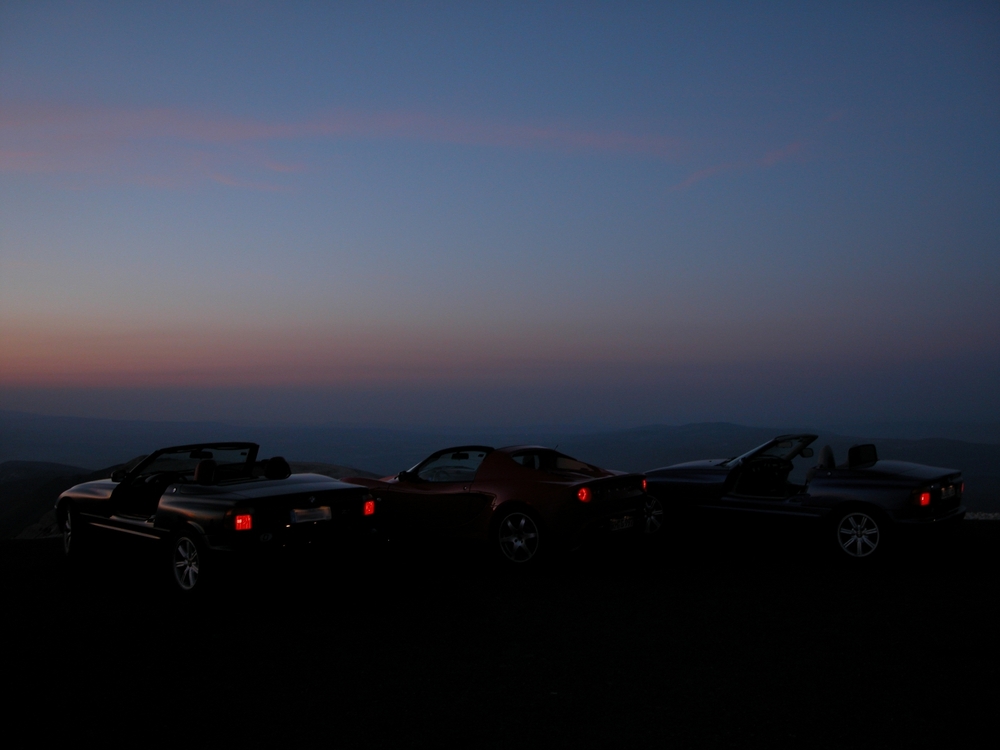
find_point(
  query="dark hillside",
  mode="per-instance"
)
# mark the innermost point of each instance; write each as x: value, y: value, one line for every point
x: 28, y: 489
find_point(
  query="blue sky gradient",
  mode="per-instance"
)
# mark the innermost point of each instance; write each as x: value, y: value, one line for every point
x: 405, y: 214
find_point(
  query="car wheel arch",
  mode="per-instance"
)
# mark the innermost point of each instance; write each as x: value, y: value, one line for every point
x: 847, y: 506
x: 513, y: 505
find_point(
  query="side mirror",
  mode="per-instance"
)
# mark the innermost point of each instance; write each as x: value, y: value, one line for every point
x: 404, y: 476
x: 806, y: 453
x: 118, y: 475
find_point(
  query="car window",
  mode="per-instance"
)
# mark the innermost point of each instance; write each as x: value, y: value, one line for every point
x: 457, y: 466
x: 549, y: 460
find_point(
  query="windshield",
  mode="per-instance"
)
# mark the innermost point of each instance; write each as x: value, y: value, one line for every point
x: 784, y: 447
x: 184, y: 461
x: 452, y: 466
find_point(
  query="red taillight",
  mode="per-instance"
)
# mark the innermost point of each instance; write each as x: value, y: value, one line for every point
x: 644, y: 485
x: 369, y: 507
x: 583, y: 494
x: 244, y: 522
x: 924, y: 499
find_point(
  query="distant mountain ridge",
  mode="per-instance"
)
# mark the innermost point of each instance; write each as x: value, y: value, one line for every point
x: 98, y: 442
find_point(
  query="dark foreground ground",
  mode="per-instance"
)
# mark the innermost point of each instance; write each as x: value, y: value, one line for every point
x: 720, y: 643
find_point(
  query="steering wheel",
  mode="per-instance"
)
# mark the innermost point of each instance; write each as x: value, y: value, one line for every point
x: 161, y: 477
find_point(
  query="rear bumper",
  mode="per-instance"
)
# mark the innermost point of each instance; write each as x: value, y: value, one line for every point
x: 952, y: 516
x: 620, y: 517
x: 325, y: 533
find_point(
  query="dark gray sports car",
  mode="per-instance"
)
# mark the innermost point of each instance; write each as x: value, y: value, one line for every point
x: 859, y: 502
x: 198, y: 501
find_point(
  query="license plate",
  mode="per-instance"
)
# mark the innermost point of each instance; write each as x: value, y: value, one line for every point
x: 617, y: 524
x: 308, y: 515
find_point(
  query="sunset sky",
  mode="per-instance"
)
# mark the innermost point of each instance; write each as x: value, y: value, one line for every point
x: 508, y: 214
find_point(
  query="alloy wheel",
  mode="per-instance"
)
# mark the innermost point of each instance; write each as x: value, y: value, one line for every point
x: 68, y: 532
x: 186, y: 563
x: 858, y: 534
x: 652, y: 515
x: 518, y: 537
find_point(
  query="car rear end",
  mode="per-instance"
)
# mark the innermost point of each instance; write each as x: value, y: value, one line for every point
x: 313, y: 514
x: 933, y: 501
x: 610, y: 505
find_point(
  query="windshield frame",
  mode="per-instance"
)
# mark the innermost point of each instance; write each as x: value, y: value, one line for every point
x: 804, y: 439
x: 251, y: 449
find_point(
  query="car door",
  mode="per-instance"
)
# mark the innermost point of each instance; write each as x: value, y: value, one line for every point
x: 761, y: 487
x: 438, y: 493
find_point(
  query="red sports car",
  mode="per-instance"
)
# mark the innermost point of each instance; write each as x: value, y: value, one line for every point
x: 521, y: 500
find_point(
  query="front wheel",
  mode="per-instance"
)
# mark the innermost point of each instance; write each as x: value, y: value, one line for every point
x: 517, y: 537
x: 859, y: 534
x: 74, y: 535
x: 188, y: 562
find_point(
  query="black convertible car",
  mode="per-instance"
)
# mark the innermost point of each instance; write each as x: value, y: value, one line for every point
x: 860, y: 501
x: 199, y: 500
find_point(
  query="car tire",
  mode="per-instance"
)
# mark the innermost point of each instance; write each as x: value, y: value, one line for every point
x: 188, y: 563
x: 74, y: 534
x: 652, y: 516
x: 517, y: 537
x: 859, y: 534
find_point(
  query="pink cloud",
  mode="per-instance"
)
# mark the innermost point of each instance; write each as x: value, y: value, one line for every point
x: 135, y: 144
x: 766, y: 161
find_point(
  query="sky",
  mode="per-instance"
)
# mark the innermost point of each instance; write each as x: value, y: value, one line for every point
x: 440, y: 214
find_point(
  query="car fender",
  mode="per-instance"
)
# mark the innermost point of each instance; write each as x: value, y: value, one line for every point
x: 514, y: 505
x: 830, y: 517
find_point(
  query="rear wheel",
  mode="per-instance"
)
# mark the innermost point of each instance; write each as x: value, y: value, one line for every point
x: 859, y: 534
x: 652, y: 515
x: 188, y: 561
x: 517, y: 537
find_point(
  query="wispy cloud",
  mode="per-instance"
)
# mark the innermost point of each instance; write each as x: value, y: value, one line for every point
x: 134, y: 144
x: 766, y: 161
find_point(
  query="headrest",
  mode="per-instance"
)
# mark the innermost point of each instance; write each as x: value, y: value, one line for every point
x: 861, y: 455
x: 204, y: 472
x: 277, y: 468
x: 826, y: 460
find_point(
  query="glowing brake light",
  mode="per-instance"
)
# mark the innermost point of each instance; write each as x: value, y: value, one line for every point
x: 924, y: 499
x: 644, y: 485
x: 583, y: 494
x: 244, y: 522
x: 369, y: 507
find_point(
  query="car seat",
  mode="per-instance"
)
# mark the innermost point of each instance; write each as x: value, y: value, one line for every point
x: 826, y: 463
x: 204, y: 472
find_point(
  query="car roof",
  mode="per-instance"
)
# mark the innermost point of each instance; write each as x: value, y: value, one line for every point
x: 458, y: 448
x: 516, y: 448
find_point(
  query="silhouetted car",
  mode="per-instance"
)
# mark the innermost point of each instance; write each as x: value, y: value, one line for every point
x: 206, y: 499
x: 860, y: 502
x: 520, y: 500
